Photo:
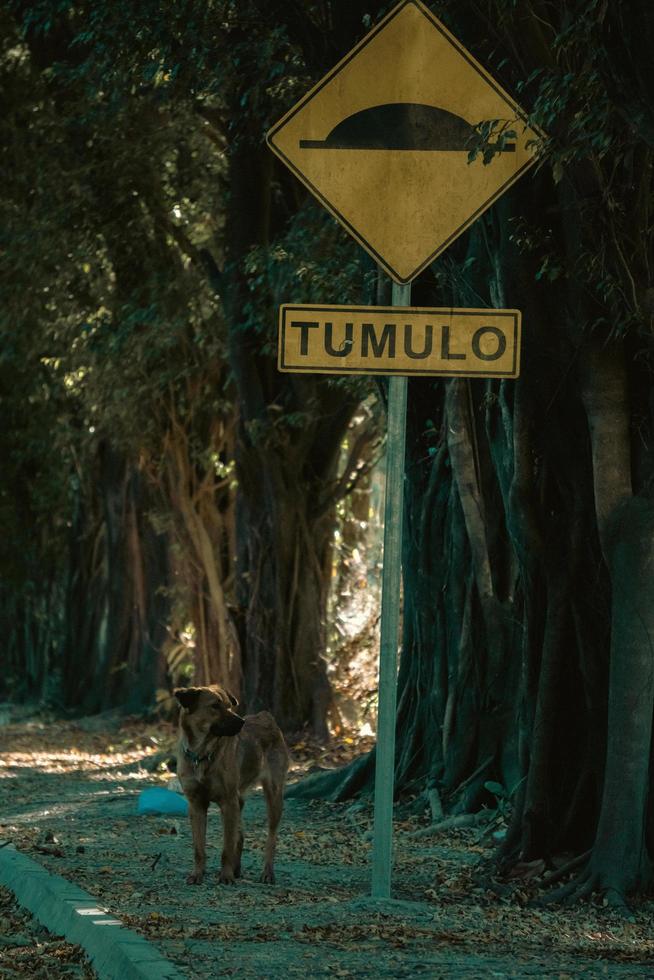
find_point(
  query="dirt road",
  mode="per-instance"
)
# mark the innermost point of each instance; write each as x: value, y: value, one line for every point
x: 69, y: 801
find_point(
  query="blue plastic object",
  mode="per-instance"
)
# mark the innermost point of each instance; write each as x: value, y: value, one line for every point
x: 160, y: 800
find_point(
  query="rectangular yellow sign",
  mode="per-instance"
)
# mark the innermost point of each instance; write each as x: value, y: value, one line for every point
x: 399, y: 340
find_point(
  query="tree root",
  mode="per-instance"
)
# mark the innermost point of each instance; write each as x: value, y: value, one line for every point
x: 334, y: 784
x: 453, y: 823
x: 565, y: 869
x: 572, y: 892
x: 583, y: 886
x: 615, y: 900
x: 435, y: 804
x: 486, y: 882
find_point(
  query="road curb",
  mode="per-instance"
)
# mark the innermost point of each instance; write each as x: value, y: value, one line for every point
x: 116, y: 952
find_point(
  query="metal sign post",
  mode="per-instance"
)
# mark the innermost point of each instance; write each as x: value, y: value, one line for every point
x: 382, y: 856
x: 406, y: 158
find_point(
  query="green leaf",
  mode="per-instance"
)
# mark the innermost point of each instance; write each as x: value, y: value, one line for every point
x: 496, y: 789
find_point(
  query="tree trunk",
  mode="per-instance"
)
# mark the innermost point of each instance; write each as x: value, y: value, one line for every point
x: 285, y: 547
x: 117, y: 604
x: 287, y: 477
x: 620, y: 861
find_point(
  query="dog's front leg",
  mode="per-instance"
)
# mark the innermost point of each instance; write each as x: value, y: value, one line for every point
x: 198, y: 817
x: 231, y: 813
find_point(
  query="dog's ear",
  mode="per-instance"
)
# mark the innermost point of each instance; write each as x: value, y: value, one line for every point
x: 188, y: 697
x: 231, y: 697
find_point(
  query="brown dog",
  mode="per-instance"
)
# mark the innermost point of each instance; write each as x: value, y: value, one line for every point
x: 221, y: 755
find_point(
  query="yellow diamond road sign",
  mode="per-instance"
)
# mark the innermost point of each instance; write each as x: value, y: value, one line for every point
x: 384, y: 140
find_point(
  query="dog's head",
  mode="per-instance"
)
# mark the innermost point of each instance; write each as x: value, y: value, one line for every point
x: 208, y: 711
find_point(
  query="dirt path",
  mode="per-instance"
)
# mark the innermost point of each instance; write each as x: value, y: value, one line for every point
x: 69, y: 800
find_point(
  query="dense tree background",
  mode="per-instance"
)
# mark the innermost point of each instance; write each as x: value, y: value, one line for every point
x: 540, y: 622
x: 184, y: 490
x: 158, y: 471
